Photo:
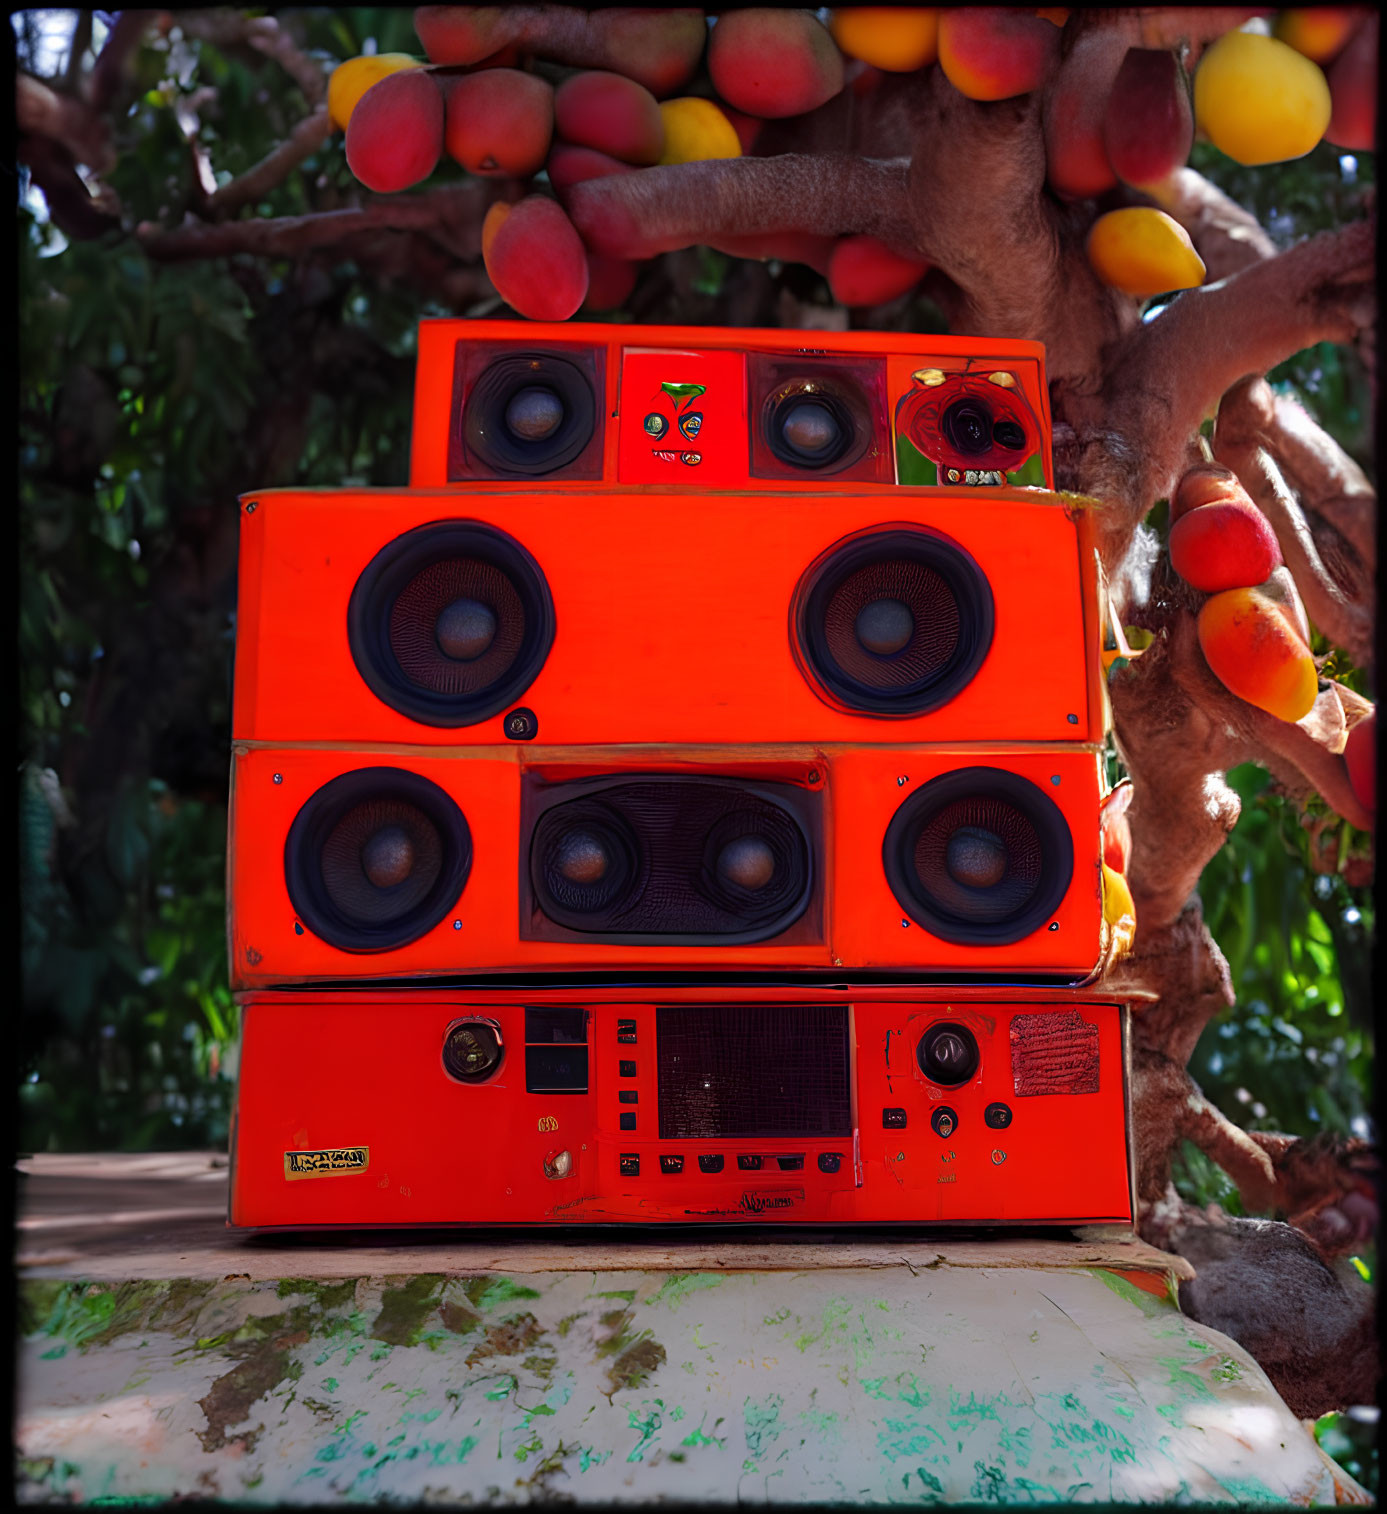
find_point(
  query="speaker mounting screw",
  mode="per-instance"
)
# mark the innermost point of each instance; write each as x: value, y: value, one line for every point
x: 279, y: 778
x: 813, y: 775
x: 298, y: 929
x: 1054, y: 925
x: 250, y: 508
x: 457, y: 924
x: 1072, y: 719
x: 1055, y: 779
x: 521, y: 724
x: 998, y: 1157
x: 902, y: 781
x: 905, y: 924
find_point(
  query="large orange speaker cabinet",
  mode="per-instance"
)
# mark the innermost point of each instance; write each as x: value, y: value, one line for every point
x: 555, y: 1106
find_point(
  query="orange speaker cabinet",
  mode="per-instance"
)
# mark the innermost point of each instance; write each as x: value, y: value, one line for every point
x: 348, y: 863
x: 374, y: 616
x: 539, y: 1106
x: 690, y: 409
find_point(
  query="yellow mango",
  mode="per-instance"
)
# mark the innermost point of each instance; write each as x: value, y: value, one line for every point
x: 351, y: 80
x: 1254, y: 649
x: 696, y: 129
x: 897, y: 38
x: 1143, y: 251
x: 1259, y: 100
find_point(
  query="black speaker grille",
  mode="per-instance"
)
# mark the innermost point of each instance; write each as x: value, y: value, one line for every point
x: 397, y: 638
x: 979, y: 856
x: 933, y: 611
x: 664, y: 844
x: 414, y: 618
x: 893, y: 622
x: 733, y: 1071
x: 376, y: 858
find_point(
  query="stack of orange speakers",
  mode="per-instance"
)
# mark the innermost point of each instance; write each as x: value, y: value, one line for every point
x: 682, y: 802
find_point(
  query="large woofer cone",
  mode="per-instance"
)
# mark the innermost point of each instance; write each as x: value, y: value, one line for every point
x: 816, y: 424
x: 450, y: 623
x: 529, y: 413
x: 894, y: 621
x: 979, y: 857
x: 376, y: 858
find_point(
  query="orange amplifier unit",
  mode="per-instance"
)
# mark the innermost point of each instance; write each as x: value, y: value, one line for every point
x: 680, y: 1105
x: 407, y: 863
x: 623, y: 534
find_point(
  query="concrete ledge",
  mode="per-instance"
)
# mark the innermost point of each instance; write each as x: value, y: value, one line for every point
x: 518, y: 1371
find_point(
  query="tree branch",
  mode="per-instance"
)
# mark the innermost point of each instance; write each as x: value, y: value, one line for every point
x: 1226, y: 236
x: 109, y: 69
x: 276, y: 166
x: 659, y: 209
x: 226, y: 29
x: 42, y: 112
x: 458, y: 206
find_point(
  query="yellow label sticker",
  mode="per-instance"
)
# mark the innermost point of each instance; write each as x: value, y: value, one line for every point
x: 324, y: 1164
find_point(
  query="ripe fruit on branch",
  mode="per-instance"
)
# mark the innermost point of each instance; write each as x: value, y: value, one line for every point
x: 536, y: 260
x: 1280, y: 587
x: 1228, y: 544
x: 1360, y: 757
x: 1076, y: 155
x: 395, y: 135
x: 864, y: 271
x: 351, y: 80
x: 658, y: 48
x: 696, y: 129
x: 1148, y: 128
x: 995, y: 52
x: 570, y: 165
x: 1202, y: 485
x: 773, y: 63
x: 1258, y: 100
x: 1318, y: 32
x: 611, y: 114
x: 500, y: 122
x: 898, y: 39
x: 1353, y: 90
x: 1256, y: 653
x: 1143, y: 251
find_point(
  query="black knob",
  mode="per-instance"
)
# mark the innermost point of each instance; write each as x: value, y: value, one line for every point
x: 943, y: 1122
x: 830, y: 1161
x: 471, y: 1052
x: 948, y: 1054
x: 997, y: 1116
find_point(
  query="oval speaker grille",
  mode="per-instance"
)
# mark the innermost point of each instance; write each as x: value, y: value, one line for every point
x: 450, y: 623
x: 529, y: 413
x: 376, y: 858
x: 672, y: 859
x: 980, y: 857
x: 893, y: 622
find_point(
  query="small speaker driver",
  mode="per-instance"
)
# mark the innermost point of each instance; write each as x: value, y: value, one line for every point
x: 979, y: 856
x: 529, y: 413
x: 376, y: 858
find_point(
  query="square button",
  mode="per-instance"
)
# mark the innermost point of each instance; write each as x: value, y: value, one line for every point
x: 671, y: 1164
x: 628, y: 1122
x: 630, y: 1164
x: 627, y: 1069
x: 628, y: 1096
x: 893, y: 1119
x: 626, y: 1032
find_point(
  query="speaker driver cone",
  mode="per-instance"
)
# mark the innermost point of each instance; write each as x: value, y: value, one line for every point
x: 450, y: 623
x: 586, y: 862
x: 376, y: 858
x: 979, y: 857
x: 819, y: 424
x: 529, y: 413
x: 894, y: 621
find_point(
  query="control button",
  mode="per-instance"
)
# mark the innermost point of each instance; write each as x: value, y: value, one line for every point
x: 710, y: 1164
x: 830, y: 1161
x: 626, y: 1069
x: 998, y: 1157
x: 997, y: 1116
x: 671, y: 1164
x: 893, y: 1119
x: 628, y: 1122
x: 790, y: 1164
x: 749, y: 1164
x: 626, y: 1031
x: 630, y: 1164
x: 628, y: 1096
x: 944, y: 1122
x: 948, y: 1054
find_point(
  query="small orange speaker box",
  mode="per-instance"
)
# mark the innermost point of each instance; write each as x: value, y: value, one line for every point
x: 808, y: 1106
x: 397, y: 863
x: 422, y: 617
